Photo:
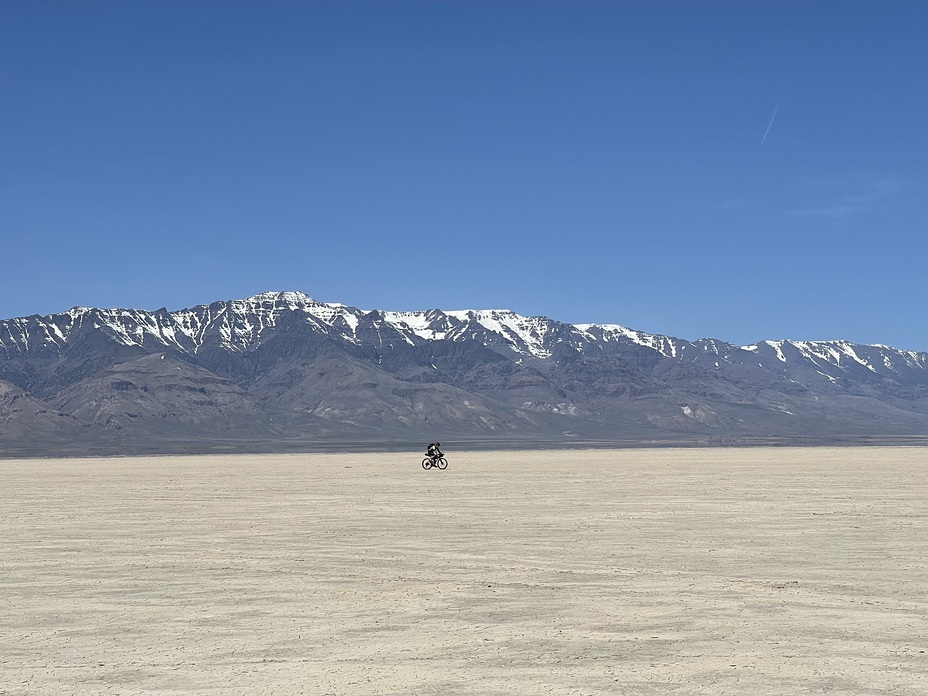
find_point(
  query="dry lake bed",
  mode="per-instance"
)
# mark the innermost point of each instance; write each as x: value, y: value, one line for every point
x: 655, y: 571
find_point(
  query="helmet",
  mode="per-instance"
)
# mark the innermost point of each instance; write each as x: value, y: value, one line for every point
x: 438, y: 444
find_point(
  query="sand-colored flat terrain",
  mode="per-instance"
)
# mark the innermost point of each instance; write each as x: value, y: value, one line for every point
x: 713, y: 571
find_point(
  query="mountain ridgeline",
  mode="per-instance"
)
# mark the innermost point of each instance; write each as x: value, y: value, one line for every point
x: 280, y: 371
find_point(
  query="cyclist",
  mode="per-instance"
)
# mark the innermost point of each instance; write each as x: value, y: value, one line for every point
x: 434, y: 450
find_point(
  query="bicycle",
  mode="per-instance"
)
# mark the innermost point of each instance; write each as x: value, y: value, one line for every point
x: 437, y: 462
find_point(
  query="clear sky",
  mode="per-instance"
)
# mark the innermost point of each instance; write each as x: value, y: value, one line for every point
x: 737, y: 170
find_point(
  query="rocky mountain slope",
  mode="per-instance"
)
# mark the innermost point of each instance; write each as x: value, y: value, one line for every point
x: 282, y: 371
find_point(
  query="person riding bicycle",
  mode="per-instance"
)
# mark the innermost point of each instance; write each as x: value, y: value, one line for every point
x: 434, y: 450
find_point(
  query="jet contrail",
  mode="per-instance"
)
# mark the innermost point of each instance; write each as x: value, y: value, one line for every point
x: 779, y: 101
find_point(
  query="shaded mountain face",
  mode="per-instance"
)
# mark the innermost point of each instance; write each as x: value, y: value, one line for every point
x: 281, y: 370
x: 29, y: 426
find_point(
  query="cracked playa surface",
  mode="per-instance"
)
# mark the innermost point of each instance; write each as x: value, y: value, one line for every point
x: 659, y: 571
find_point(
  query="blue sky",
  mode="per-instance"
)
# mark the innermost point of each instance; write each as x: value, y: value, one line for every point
x: 739, y: 170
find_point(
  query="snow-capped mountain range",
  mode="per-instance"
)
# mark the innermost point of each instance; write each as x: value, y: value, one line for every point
x: 281, y: 367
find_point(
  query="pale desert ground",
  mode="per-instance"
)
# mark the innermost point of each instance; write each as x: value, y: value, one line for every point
x: 653, y: 571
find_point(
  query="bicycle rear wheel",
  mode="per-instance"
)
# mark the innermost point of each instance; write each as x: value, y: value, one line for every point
x: 427, y: 463
x: 442, y: 463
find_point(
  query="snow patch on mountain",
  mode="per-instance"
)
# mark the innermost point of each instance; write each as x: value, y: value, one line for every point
x: 614, y: 332
x: 526, y: 334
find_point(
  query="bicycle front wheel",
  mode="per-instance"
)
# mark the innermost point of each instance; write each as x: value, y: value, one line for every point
x: 442, y: 463
x: 427, y: 463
